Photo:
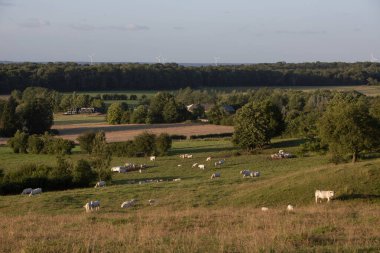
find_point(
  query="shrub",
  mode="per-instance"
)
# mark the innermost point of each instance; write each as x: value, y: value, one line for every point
x: 82, y: 173
x: 178, y: 137
x: 123, y: 148
x: 35, y: 144
x: 19, y: 142
x: 86, y: 140
x: 206, y: 136
x: 145, y: 143
x: 163, y: 144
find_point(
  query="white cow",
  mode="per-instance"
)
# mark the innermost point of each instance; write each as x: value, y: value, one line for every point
x: 87, y: 206
x: 201, y: 166
x: 35, y: 191
x: 182, y: 156
x: 152, y: 202
x: 290, y: 208
x: 194, y: 165
x: 220, y: 162
x: 152, y: 158
x: 120, y: 169
x: 208, y: 159
x: 188, y: 156
x: 176, y: 179
x: 255, y: 174
x: 215, y: 175
x: 323, y: 195
x: 264, y: 209
x: 100, y: 184
x: 27, y: 191
x: 129, y: 203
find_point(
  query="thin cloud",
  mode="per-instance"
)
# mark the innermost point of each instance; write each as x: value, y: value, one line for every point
x: 34, y: 23
x: 179, y: 28
x: 125, y: 28
x: 301, y: 32
x: 5, y: 3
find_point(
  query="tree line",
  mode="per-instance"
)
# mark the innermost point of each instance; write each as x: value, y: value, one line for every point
x: 82, y: 77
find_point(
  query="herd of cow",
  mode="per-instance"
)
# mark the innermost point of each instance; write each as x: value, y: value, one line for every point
x: 95, y: 205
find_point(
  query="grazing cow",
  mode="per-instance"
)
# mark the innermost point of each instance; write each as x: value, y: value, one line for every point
x: 245, y: 173
x: 188, y: 156
x: 152, y: 202
x: 179, y: 165
x: 129, y: 203
x: 215, y: 175
x: 35, y: 191
x: 220, y: 162
x: 182, y: 156
x: 255, y: 174
x: 92, y: 205
x: 201, y: 166
x: 87, y: 207
x: 152, y: 158
x: 140, y: 171
x: 264, y: 209
x: 208, y: 159
x: 290, y: 208
x: 26, y: 191
x: 100, y: 184
x: 95, y: 205
x: 323, y: 195
x: 194, y: 165
x: 176, y: 179
x: 120, y: 169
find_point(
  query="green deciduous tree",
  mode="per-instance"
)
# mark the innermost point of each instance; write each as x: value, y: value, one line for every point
x: 348, y: 128
x: 145, y: 143
x: 255, y: 125
x: 101, y: 157
x: 139, y: 114
x: 9, y: 120
x: 83, y: 174
x: 86, y: 141
x: 36, y: 115
x: 115, y: 113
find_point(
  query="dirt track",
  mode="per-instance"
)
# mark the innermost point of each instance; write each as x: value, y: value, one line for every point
x: 115, y: 133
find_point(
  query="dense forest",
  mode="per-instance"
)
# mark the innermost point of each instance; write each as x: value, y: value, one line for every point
x: 80, y: 77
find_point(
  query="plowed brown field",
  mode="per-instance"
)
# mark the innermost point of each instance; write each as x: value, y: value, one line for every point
x: 115, y: 133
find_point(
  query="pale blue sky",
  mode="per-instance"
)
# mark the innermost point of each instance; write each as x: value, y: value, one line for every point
x: 237, y: 31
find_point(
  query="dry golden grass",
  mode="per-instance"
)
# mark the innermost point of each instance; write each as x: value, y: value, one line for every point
x: 334, y: 227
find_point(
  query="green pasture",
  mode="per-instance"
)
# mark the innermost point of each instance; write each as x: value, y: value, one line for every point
x: 281, y: 182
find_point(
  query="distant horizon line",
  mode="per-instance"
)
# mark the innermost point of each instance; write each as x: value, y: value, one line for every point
x: 182, y: 63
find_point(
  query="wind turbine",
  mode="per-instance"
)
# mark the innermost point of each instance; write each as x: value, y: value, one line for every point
x: 373, y: 59
x: 216, y: 59
x: 161, y: 59
x: 91, y: 58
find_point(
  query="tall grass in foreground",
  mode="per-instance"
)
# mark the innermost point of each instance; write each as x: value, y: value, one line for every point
x: 334, y: 227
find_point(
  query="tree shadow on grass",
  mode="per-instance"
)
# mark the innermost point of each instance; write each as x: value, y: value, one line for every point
x: 357, y: 196
x: 288, y: 143
x: 190, y: 150
x: 146, y: 180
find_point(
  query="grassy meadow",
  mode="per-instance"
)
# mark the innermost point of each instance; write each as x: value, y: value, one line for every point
x: 202, y: 215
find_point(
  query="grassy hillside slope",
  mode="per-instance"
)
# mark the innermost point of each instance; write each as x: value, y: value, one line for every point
x: 202, y: 215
